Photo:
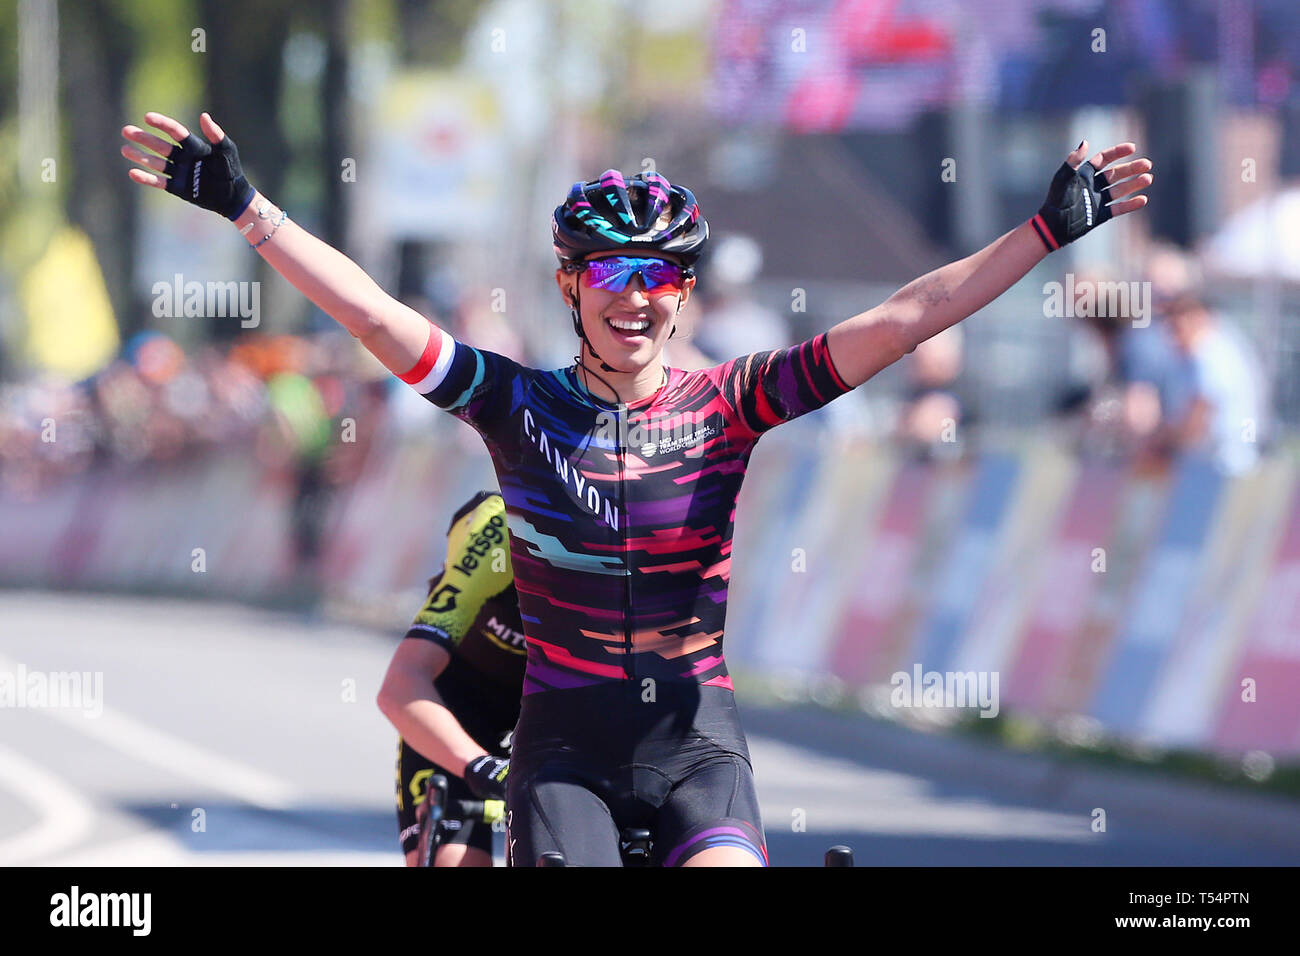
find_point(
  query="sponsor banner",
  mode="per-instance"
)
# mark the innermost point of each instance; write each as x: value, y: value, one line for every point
x: 32, y: 531
x: 74, y: 542
x: 1259, y: 706
x: 880, y: 586
x: 104, y: 525
x: 1046, y: 479
x: 1137, y: 526
x: 257, y: 558
x: 387, y: 516
x: 243, y: 528
x: 388, y: 533
x: 1235, y: 563
x: 166, y: 557
x: 965, y: 572
x: 1167, y: 580
x: 1144, y: 600
x: 440, y: 171
x: 944, y: 512
x: 776, y: 493
x: 389, y: 522
x: 825, y: 548
x: 1068, y: 571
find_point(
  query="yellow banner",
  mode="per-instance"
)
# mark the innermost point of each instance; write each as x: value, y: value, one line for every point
x: 70, y: 325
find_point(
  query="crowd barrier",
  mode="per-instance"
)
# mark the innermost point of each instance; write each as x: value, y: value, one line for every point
x: 1166, y: 606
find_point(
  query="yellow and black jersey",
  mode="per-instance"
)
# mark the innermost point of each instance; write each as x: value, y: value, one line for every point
x: 472, y: 611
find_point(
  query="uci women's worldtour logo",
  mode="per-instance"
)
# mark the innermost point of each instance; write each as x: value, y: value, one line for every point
x: 683, y: 433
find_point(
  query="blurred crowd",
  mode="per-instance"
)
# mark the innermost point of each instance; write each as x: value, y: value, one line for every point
x: 1150, y: 380
x: 284, y: 398
x: 1165, y: 374
x: 154, y: 403
x: 1154, y: 371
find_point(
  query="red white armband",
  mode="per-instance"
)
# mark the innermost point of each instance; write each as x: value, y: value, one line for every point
x: 428, y: 373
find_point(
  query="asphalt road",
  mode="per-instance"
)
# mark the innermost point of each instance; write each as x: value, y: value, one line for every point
x: 219, y: 734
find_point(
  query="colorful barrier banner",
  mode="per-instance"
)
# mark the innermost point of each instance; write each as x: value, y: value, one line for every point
x: 1139, y: 519
x: 1166, y: 585
x: 966, y: 569
x: 860, y: 651
x: 989, y: 642
x: 1234, y: 564
x: 823, y: 554
x: 1259, y: 702
x: 1069, y: 570
x: 1165, y: 605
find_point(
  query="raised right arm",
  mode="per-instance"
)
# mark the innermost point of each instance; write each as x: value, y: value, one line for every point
x: 395, y: 334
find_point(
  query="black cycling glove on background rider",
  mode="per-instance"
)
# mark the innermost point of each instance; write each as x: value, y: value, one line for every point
x: 1075, y: 205
x: 486, y: 777
x: 209, y: 176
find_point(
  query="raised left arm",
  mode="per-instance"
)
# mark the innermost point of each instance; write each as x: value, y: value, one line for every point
x: 1076, y: 203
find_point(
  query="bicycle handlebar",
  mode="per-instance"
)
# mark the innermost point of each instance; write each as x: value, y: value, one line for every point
x: 485, y: 811
x: 476, y: 811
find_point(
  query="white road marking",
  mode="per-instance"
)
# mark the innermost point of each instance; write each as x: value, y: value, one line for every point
x: 66, y: 817
x: 153, y: 746
x: 159, y: 849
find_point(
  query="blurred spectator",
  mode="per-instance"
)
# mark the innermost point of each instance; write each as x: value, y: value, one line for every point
x: 301, y: 424
x: 933, y: 410
x: 1214, y: 400
x: 482, y: 317
x: 732, y: 322
x: 1121, y: 368
x: 681, y: 351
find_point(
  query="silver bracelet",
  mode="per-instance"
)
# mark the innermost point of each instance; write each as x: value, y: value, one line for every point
x: 283, y: 217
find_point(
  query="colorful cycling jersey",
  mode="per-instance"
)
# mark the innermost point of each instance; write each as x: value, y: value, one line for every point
x: 473, y: 612
x: 621, y: 518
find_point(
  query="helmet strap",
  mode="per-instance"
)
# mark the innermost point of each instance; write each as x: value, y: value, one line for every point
x: 577, y: 359
x: 577, y: 327
x: 678, y: 312
x: 582, y: 335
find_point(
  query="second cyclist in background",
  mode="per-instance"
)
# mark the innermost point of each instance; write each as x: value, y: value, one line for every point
x: 452, y: 688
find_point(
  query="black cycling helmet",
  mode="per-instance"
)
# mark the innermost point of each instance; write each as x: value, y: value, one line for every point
x: 612, y: 213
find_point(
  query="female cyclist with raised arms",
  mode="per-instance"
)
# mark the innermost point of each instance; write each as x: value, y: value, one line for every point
x: 621, y: 550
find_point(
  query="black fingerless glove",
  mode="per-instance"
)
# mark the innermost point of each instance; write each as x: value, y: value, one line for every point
x: 486, y: 777
x: 209, y: 176
x: 1075, y: 205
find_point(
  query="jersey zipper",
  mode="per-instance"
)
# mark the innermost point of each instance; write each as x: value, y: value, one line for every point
x: 627, y: 559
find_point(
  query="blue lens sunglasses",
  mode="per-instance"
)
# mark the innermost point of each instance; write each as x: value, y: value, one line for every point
x: 613, y: 273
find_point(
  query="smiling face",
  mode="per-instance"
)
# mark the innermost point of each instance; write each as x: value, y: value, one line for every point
x: 627, y: 329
